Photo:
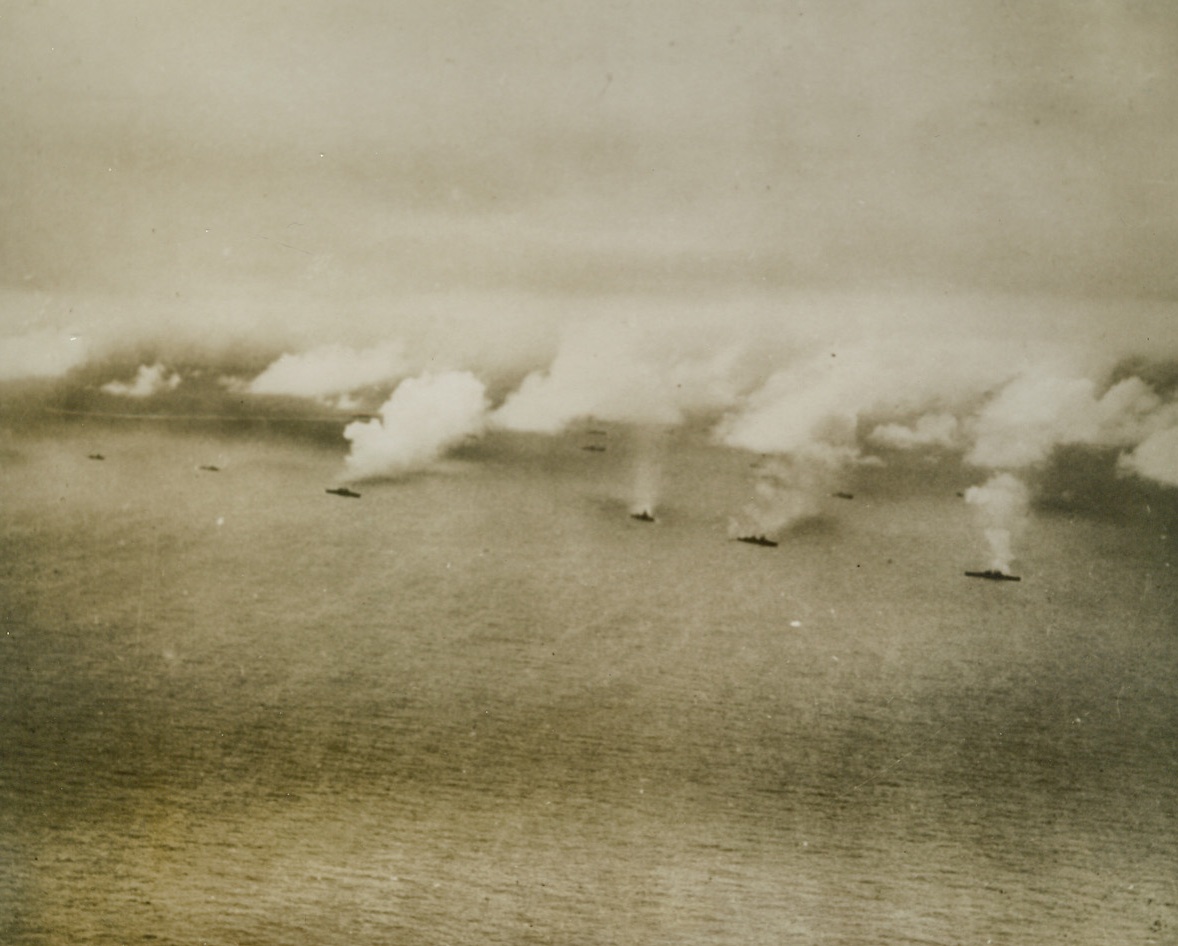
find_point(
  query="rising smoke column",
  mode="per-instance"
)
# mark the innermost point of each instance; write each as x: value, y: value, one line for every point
x: 1022, y: 425
x: 1002, y: 504
x: 423, y: 418
x: 648, y: 468
x: 787, y: 490
x: 804, y: 419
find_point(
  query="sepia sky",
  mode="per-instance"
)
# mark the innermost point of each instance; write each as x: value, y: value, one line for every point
x: 317, y: 158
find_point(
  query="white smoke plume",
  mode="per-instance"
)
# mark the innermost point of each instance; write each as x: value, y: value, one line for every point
x: 423, y: 418
x: 149, y: 380
x: 798, y: 406
x: 820, y: 389
x: 648, y: 468
x: 1155, y: 458
x: 1002, y: 504
x: 930, y: 430
x: 1033, y: 414
x: 788, y: 490
x: 614, y: 371
x: 805, y: 416
x: 332, y: 370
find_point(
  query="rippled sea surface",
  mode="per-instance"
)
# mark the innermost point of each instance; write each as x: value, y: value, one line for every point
x: 485, y: 706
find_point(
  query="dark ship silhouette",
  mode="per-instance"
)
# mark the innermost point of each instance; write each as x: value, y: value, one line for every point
x: 757, y: 540
x: 344, y: 491
x: 993, y: 574
x: 211, y: 468
x: 96, y: 456
x: 643, y: 516
x: 594, y: 448
x: 842, y: 495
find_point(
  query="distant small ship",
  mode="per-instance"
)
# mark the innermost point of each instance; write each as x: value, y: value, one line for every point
x: 841, y: 495
x: 757, y: 540
x: 643, y: 516
x: 96, y: 456
x: 211, y: 468
x: 993, y: 574
x: 594, y: 447
x: 344, y: 491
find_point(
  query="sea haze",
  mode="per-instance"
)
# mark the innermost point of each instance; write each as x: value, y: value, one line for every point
x: 482, y: 704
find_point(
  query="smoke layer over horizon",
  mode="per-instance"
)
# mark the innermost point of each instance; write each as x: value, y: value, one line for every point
x: 816, y: 379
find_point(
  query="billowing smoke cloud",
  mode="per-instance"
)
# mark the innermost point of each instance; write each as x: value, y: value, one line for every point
x: 807, y: 403
x: 1156, y: 457
x: 615, y: 371
x: 788, y: 490
x: 40, y: 354
x: 839, y: 360
x: 1034, y: 414
x: 1002, y: 504
x: 930, y: 430
x: 332, y: 370
x: 806, y: 416
x: 423, y: 418
x: 149, y: 380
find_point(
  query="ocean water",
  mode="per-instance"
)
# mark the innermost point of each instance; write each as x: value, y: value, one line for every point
x: 483, y: 705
